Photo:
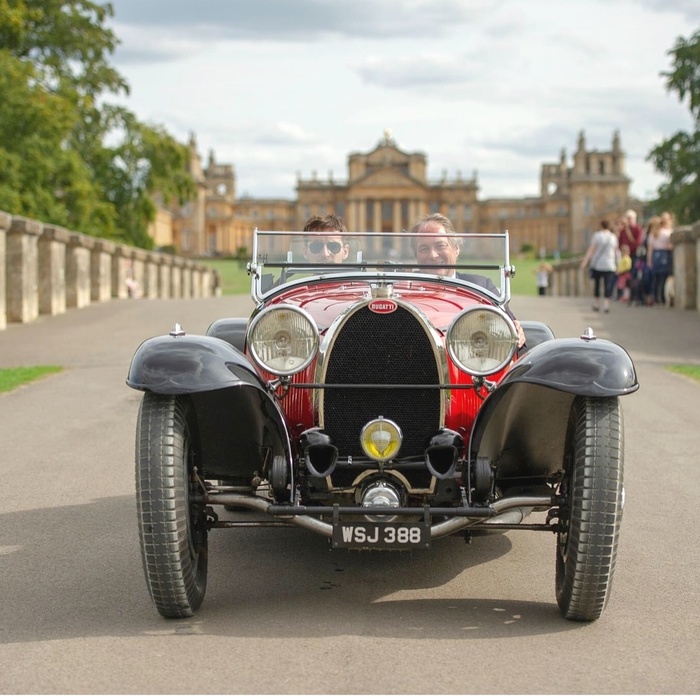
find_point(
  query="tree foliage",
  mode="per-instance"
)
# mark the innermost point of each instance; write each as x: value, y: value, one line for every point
x: 65, y: 156
x: 678, y: 157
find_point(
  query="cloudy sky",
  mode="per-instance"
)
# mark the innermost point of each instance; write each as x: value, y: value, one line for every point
x: 286, y: 87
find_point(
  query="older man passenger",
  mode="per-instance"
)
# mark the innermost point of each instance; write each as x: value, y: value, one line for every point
x: 437, y: 250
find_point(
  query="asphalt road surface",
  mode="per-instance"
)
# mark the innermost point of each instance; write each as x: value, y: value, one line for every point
x: 283, y: 612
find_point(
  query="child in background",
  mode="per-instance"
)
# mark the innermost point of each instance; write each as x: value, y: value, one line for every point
x: 543, y: 271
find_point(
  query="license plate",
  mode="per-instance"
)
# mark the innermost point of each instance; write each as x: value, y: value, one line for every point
x: 368, y: 535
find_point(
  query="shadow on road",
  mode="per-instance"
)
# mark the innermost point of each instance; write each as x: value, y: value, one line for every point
x: 283, y: 583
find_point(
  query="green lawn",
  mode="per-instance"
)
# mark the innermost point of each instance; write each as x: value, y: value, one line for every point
x: 10, y: 378
x: 691, y: 371
x: 235, y: 280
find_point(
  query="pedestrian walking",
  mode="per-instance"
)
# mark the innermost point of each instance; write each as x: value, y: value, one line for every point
x: 602, y: 254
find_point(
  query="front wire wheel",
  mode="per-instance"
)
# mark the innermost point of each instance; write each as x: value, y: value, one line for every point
x: 171, y: 512
x: 591, y: 511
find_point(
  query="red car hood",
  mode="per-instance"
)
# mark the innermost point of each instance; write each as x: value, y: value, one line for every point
x: 437, y: 301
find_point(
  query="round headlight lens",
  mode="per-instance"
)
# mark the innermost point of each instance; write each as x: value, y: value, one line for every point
x: 482, y: 340
x: 283, y: 340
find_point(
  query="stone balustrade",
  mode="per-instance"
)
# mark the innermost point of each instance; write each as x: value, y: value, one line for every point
x: 569, y: 279
x: 47, y: 270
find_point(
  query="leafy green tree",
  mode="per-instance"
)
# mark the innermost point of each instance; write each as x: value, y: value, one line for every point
x: 678, y: 157
x: 147, y: 161
x: 58, y: 161
x: 39, y: 176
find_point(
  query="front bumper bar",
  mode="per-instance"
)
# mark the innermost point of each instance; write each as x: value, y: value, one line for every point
x: 507, y: 511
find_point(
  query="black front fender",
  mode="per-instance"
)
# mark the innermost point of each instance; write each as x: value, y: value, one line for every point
x: 240, y: 424
x: 521, y: 427
x: 590, y: 368
x: 188, y: 364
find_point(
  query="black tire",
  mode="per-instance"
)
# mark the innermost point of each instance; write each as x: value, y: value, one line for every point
x: 591, y: 511
x: 171, y: 514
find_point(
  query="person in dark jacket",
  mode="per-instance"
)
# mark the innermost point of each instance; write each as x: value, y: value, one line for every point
x: 437, y: 249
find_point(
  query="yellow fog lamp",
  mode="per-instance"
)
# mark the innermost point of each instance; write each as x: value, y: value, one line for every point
x: 381, y: 439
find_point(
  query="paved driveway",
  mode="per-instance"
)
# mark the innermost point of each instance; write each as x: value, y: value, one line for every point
x: 283, y: 613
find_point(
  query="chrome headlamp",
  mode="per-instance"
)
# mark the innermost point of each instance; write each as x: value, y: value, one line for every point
x: 482, y: 340
x: 283, y: 339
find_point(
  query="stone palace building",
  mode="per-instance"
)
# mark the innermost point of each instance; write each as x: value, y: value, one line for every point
x: 387, y: 189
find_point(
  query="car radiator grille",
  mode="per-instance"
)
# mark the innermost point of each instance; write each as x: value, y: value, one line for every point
x: 382, y: 350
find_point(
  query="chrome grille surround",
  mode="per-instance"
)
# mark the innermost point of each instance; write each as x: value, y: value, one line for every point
x: 410, y: 351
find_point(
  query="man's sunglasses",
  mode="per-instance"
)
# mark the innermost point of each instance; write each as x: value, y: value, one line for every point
x: 317, y: 247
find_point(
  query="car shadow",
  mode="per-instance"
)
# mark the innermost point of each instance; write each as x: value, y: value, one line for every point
x: 75, y: 571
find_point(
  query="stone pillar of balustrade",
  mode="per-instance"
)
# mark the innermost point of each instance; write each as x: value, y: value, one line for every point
x: 52, y: 270
x: 187, y: 278
x: 138, y: 269
x: 197, y: 281
x: 554, y: 282
x: 121, y: 270
x: 101, y: 270
x: 78, y: 254
x: 696, y: 231
x: 151, y: 279
x: 5, y: 222
x: 584, y: 285
x: 685, y: 267
x: 22, y: 270
x: 164, y: 273
x: 207, y: 282
x: 176, y: 277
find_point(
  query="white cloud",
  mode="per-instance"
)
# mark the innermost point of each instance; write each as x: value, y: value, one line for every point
x: 278, y: 87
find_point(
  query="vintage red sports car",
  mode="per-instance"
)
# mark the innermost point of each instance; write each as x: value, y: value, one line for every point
x: 383, y: 406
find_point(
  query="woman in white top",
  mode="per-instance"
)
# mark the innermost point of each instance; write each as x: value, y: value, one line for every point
x: 603, y: 254
x: 659, y: 255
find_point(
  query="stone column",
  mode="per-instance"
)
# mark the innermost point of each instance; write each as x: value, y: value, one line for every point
x: 210, y: 282
x: 363, y: 215
x: 696, y: 231
x: 196, y: 281
x: 52, y: 270
x: 164, y: 273
x: 187, y: 278
x: 78, y: 270
x: 101, y: 270
x: 138, y: 269
x: 555, y: 281
x: 22, y: 268
x: 685, y: 267
x: 377, y: 215
x: 5, y: 222
x: 396, y: 216
x: 121, y: 271
x: 151, y: 280
x: 176, y: 277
